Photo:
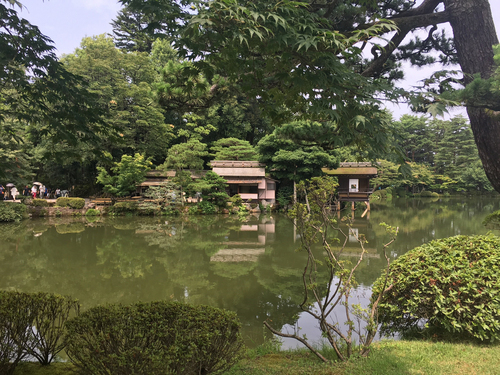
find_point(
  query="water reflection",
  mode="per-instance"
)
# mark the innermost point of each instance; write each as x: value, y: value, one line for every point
x: 250, y: 267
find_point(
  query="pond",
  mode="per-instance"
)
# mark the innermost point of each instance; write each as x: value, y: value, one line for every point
x: 250, y: 266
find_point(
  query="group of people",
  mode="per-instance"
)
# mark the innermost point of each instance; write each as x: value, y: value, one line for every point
x: 36, y: 191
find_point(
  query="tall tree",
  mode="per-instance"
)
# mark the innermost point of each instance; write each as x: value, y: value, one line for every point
x: 123, y: 82
x: 35, y: 88
x: 234, y: 149
x: 133, y: 31
x: 244, y: 36
x: 289, y: 160
x: 184, y: 156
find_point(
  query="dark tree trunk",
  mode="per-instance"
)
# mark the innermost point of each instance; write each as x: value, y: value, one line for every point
x: 474, y: 33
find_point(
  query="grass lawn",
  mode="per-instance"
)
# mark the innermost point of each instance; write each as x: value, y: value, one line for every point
x: 386, y: 358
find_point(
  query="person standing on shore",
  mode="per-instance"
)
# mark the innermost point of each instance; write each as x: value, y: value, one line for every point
x: 34, y: 191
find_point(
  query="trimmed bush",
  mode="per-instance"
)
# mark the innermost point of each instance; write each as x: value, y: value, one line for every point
x: 75, y: 203
x: 92, y: 212
x: 153, y: 338
x: 39, y: 202
x: 452, y: 285
x: 10, y: 212
x: 32, y: 324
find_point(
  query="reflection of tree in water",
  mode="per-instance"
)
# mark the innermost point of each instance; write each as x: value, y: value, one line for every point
x: 124, y: 254
x: 163, y: 258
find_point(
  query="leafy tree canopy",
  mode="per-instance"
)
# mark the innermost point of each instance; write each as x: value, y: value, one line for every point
x: 233, y: 149
x: 35, y: 87
x: 127, y: 173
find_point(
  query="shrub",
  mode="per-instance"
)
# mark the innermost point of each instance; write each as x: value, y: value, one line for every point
x: 47, y: 329
x: 169, y: 211
x: 434, y: 195
x: 32, y: 324
x: 15, y: 318
x: 92, y: 212
x: 451, y: 284
x: 39, y: 203
x: 207, y: 208
x: 10, y: 212
x: 121, y: 208
x: 193, y: 210
x: 153, y: 338
x: 75, y: 203
x: 236, y: 200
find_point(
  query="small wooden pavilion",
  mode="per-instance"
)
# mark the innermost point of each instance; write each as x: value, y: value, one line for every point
x: 354, y: 181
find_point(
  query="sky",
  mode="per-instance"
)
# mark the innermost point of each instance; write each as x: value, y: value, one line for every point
x: 67, y: 22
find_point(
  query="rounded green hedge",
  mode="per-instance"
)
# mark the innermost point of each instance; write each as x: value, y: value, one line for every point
x: 451, y: 285
x: 153, y: 338
x: 75, y: 203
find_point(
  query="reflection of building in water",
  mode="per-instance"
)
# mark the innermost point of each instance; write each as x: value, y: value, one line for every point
x: 247, y: 243
x: 353, y: 247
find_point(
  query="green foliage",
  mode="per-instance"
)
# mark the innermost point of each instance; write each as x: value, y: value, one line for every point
x: 32, y: 324
x: 37, y: 202
x: 128, y: 173
x: 15, y: 319
x: 75, y: 203
x: 122, y: 208
x: 287, y: 159
x: 451, y: 284
x: 492, y: 219
x: 485, y: 93
x: 35, y: 88
x: 443, y: 157
x: 236, y: 200
x: 11, y: 212
x: 153, y: 338
x: 213, y: 189
x: 163, y: 195
x: 233, y: 149
x: 284, y: 196
x: 92, y: 212
x: 123, y: 83
x: 187, y: 155
x: 207, y: 208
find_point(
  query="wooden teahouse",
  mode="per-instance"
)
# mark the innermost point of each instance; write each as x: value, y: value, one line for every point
x: 354, y: 181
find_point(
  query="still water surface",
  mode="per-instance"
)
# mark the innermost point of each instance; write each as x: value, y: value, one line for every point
x: 250, y: 267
